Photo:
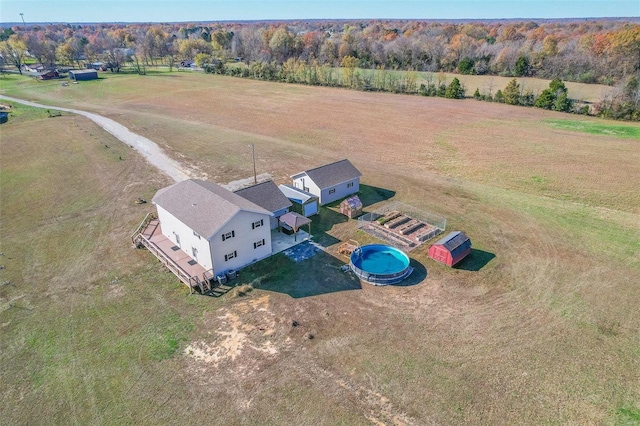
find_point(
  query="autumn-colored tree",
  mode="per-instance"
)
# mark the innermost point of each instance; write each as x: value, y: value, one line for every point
x: 550, y: 46
x: 280, y: 43
x: 348, y: 65
x: 13, y: 51
x: 201, y: 59
x: 189, y: 48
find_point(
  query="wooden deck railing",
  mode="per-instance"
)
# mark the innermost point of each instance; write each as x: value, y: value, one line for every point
x: 143, y: 225
x: 139, y: 240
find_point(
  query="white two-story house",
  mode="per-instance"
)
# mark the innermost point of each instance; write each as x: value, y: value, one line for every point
x: 218, y: 229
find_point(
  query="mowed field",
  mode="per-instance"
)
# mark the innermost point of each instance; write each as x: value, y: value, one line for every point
x: 540, y: 325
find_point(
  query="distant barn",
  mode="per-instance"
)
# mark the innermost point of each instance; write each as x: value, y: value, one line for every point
x: 83, y: 75
x: 451, y: 249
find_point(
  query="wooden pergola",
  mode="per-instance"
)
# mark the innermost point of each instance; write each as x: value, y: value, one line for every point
x: 295, y: 221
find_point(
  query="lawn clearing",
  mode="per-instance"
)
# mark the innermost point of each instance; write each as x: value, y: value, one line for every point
x: 544, y: 332
x: 598, y: 128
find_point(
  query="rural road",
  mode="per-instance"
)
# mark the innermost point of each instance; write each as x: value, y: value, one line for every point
x: 149, y: 149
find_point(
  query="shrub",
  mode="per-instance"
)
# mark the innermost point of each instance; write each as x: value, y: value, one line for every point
x: 243, y: 290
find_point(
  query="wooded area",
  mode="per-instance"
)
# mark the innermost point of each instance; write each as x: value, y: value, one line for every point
x: 605, y: 51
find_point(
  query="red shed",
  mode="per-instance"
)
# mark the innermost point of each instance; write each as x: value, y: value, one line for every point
x: 451, y: 249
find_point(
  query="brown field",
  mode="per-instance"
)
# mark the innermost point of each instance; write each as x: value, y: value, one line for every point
x: 540, y: 325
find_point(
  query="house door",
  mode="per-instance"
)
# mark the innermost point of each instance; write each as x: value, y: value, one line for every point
x: 194, y: 252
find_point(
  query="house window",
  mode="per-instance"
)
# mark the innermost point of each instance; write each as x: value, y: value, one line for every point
x: 194, y: 252
x: 332, y: 191
x: 350, y: 185
x: 195, y: 234
x: 257, y: 224
x: 305, y: 188
x: 230, y: 256
x: 228, y: 235
x: 258, y: 244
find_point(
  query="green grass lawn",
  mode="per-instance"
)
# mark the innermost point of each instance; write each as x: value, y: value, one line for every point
x: 598, y: 128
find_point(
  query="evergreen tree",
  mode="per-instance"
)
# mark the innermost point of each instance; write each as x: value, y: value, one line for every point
x: 549, y: 98
x: 557, y: 86
x: 546, y: 99
x: 512, y: 93
x: 562, y: 103
x: 499, y: 96
x: 455, y: 90
x: 477, y: 95
x: 522, y: 66
x: 465, y: 66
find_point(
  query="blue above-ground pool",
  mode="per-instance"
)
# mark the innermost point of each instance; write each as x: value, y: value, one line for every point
x: 380, y: 264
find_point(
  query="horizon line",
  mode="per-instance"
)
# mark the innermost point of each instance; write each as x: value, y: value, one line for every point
x: 319, y: 19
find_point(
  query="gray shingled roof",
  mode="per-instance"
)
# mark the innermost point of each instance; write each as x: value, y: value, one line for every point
x: 333, y: 174
x: 453, y: 240
x: 87, y: 71
x: 203, y: 206
x: 266, y: 195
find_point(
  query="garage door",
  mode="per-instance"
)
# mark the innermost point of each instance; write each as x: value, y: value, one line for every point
x: 310, y: 209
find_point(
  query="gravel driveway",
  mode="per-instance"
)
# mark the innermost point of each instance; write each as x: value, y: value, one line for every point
x: 149, y: 149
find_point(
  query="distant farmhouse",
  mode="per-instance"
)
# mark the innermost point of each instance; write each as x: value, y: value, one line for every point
x: 330, y: 182
x: 48, y: 75
x: 34, y: 68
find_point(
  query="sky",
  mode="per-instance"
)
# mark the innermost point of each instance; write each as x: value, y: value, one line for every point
x: 44, y: 11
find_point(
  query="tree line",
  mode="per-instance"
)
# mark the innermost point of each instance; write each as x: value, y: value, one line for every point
x: 623, y: 104
x: 605, y: 51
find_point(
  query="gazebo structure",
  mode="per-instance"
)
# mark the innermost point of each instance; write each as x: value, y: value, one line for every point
x: 293, y: 221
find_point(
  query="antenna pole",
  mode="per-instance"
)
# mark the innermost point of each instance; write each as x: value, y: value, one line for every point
x: 253, y: 155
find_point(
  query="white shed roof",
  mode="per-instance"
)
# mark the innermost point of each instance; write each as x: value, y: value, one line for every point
x: 296, y: 195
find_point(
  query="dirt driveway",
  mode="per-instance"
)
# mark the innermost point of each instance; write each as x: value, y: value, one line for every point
x: 149, y: 149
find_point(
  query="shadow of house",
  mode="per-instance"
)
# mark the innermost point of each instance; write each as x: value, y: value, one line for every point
x: 475, y: 261
x: 319, y: 274
x: 371, y: 194
x: 323, y: 222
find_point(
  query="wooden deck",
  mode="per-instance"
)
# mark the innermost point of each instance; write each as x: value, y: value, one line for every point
x: 192, y: 274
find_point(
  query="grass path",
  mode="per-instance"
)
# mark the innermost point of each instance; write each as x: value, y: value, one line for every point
x: 149, y: 149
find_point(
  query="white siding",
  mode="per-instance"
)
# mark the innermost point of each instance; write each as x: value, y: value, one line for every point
x: 171, y: 227
x: 276, y: 215
x: 305, y: 183
x: 242, y: 242
x: 341, y: 190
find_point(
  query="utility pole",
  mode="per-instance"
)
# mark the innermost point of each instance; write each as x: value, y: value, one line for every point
x: 22, y: 16
x: 253, y: 155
